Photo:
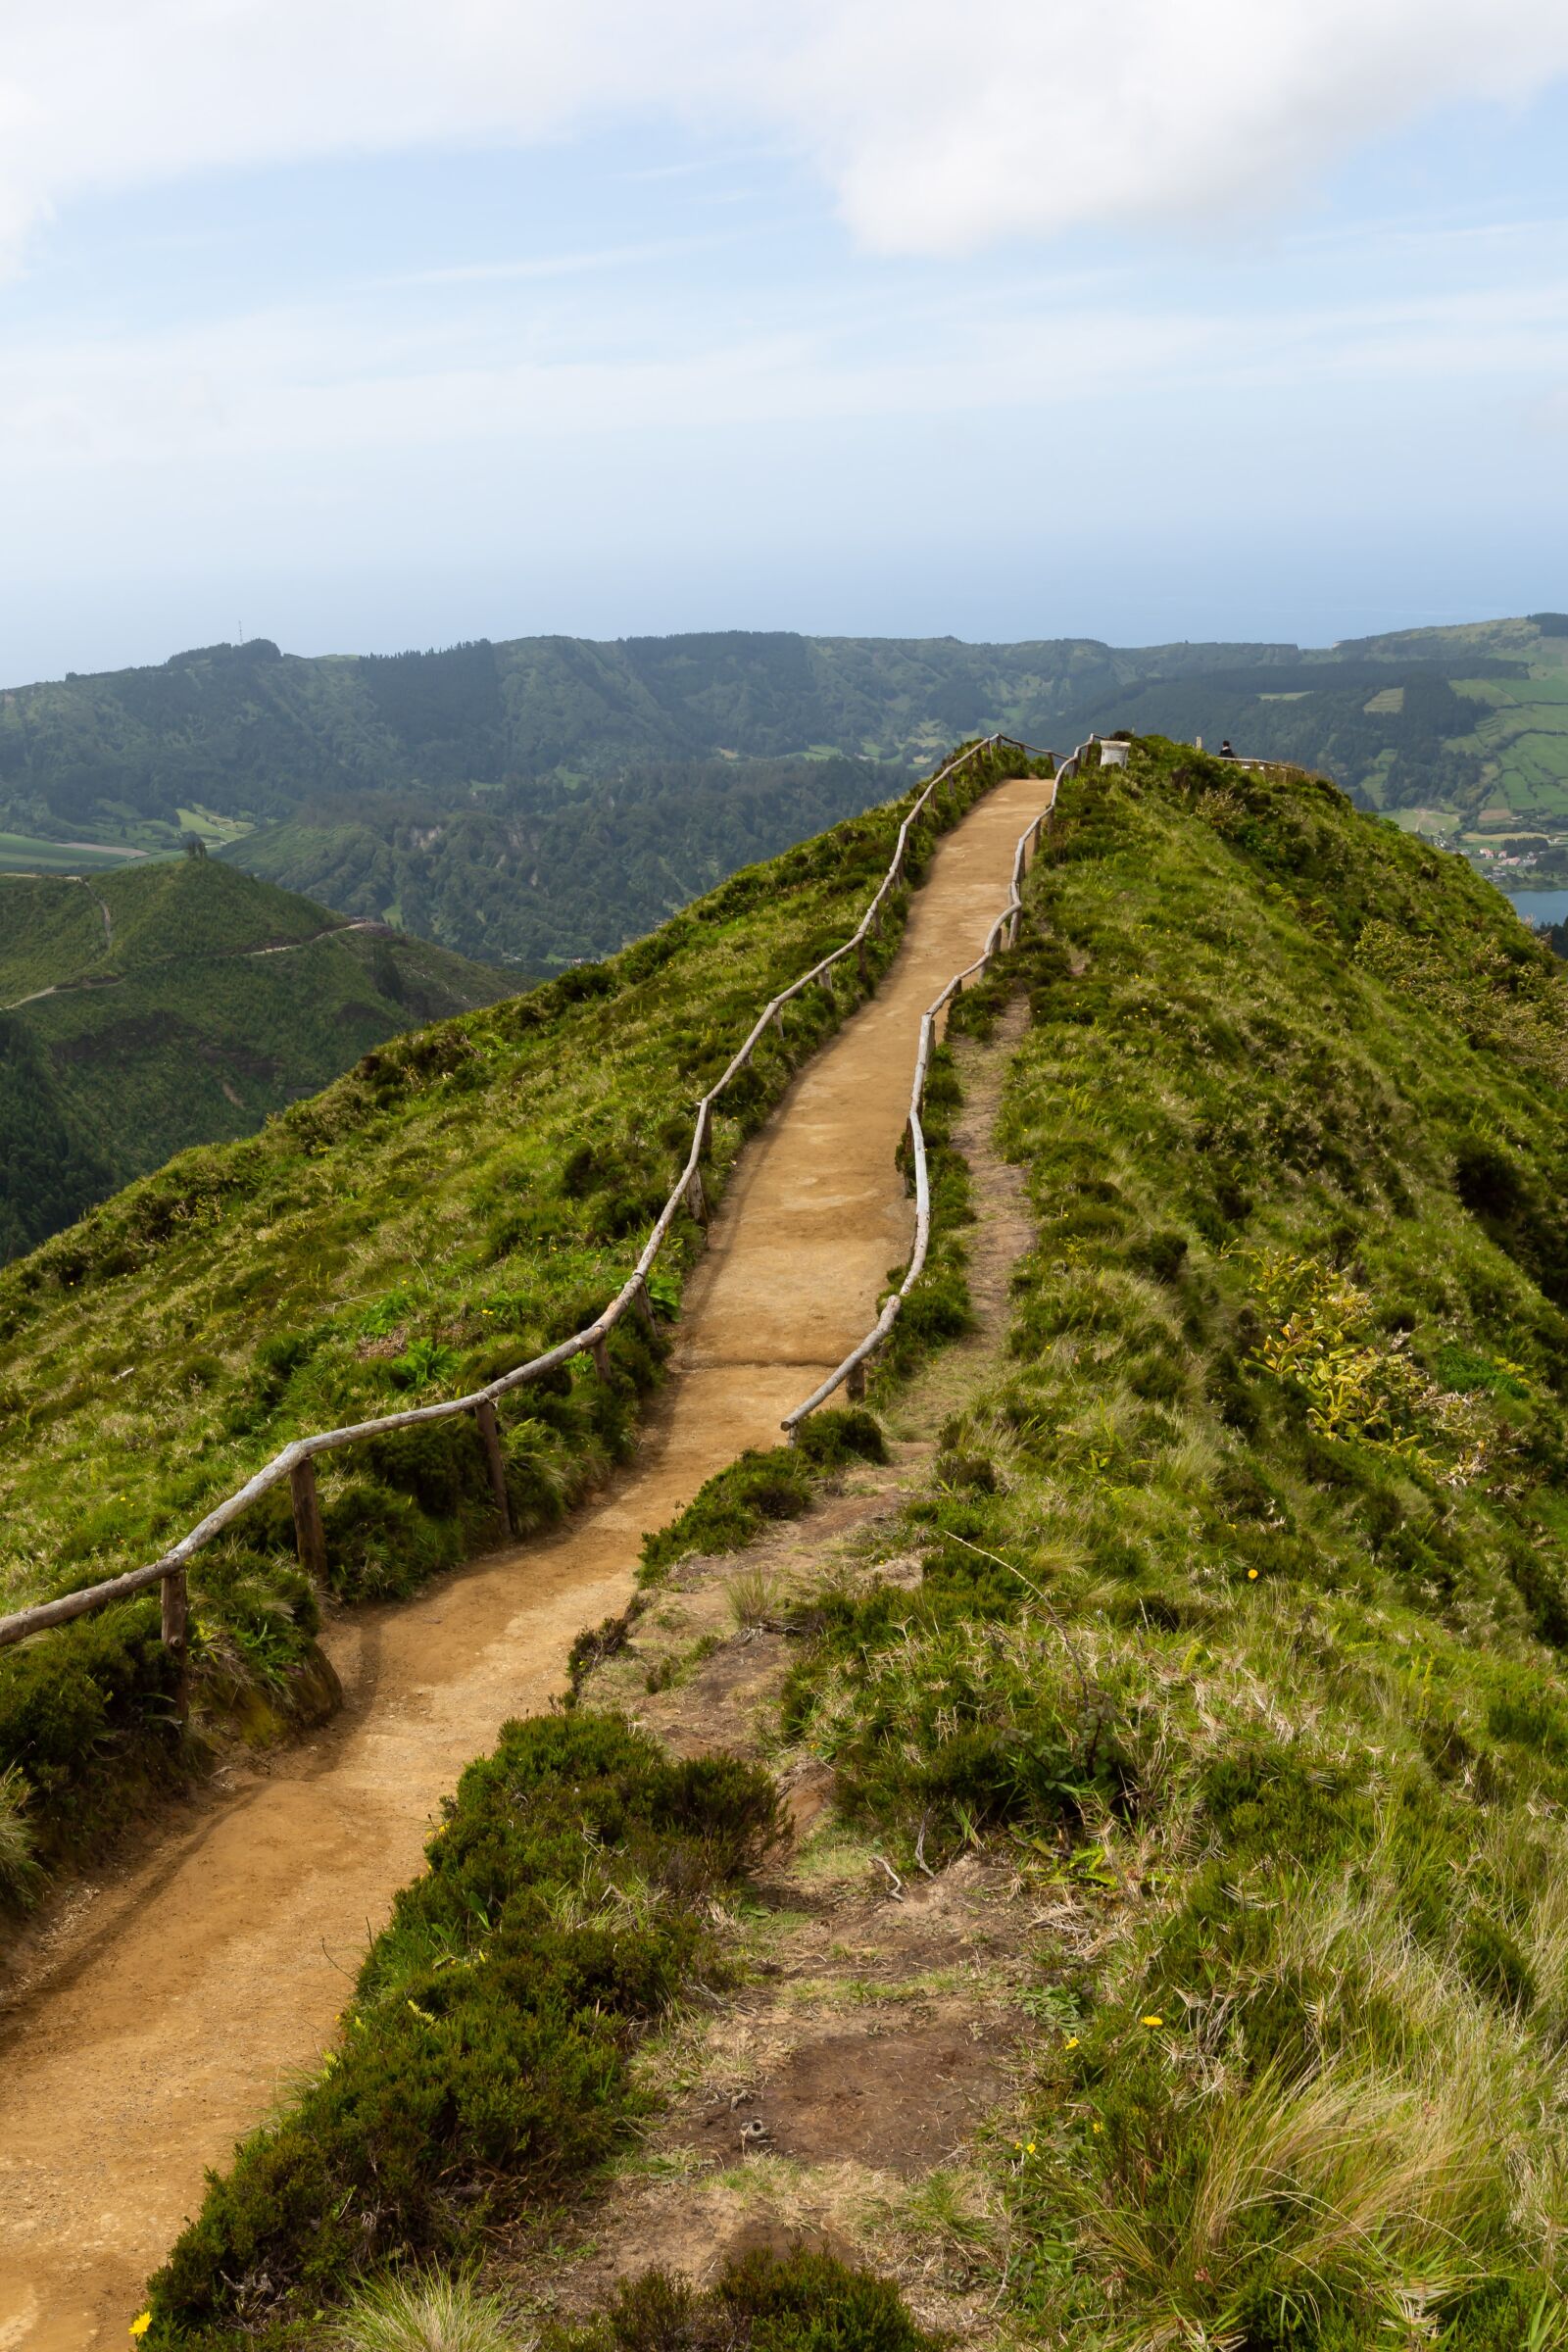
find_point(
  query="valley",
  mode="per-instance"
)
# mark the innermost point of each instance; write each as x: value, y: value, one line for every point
x: 534, y: 801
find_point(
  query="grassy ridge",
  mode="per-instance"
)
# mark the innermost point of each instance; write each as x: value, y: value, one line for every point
x: 463, y: 1199
x: 54, y: 932
x: 1246, y: 1593
x: 181, y: 1003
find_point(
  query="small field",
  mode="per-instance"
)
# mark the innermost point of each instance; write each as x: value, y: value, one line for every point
x: 24, y: 854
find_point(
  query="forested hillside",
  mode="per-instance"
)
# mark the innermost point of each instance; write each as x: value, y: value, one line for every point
x: 542, y: 798
x: 180, y: 1002
x: 539, y: 874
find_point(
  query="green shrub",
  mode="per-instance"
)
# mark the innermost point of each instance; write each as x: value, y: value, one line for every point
x: 87, y: 1719
x: 485, y: 2056
x: 18, y: 1871
x: 733, y: 1506
x: 801, y: 2302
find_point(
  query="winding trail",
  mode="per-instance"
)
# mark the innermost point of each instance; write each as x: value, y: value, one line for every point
x: 66, y: 987
x: 180, y: 1997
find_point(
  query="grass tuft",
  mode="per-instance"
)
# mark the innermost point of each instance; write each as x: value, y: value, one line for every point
x: 425, y: 2312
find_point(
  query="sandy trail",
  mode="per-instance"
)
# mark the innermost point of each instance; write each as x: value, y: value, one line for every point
x: 188, y: 1990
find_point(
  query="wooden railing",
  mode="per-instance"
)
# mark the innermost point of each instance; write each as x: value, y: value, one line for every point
x: 297, y: 1461
x: 852, y: 1372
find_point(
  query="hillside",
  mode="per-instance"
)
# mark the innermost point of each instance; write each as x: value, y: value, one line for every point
x: 541, y: 874
x: 542, y: 798
x: 1175, y: 1731
x: 459, y: 1201
x: 163, y: 1005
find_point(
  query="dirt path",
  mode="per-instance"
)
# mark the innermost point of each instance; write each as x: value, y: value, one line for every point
x: 874, y: 2028
x: 182, y: 1996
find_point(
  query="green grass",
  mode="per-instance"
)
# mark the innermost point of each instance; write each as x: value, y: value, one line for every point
x: 1245, y: 1590
x: 463, y: 1199
x: 26, y: 853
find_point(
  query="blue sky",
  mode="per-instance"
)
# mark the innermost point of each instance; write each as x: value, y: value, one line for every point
x: 943, y: 321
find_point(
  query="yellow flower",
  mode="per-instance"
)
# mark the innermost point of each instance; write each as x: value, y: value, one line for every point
x: 1030, y: 2149
x: 1252, y: 1576
x: 1072, y: 2042
x: 1100, y: 2126
x: 1151, y: 2021
x: 141, y: 2323
x: 421, y: 2013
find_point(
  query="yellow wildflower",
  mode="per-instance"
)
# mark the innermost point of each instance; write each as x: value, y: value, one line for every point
x: 141, y: 2323
x: 1151, y: 2021
x: 1072, y: 2042
x: 1252, y: 1576
x: 1100, y: 2126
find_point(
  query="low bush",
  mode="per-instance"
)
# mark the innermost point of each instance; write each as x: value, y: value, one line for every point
x: 484, y: 2060
x: 88, y: 1723
x: 733, y: 1506
x: 799, y: 2302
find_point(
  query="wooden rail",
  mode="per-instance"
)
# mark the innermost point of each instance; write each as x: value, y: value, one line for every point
x: 297, y: 1461
x: 851, y: 1373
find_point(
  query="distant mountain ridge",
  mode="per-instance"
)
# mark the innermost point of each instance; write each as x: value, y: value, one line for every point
x: 177, y: 1004
x: 541, y: 799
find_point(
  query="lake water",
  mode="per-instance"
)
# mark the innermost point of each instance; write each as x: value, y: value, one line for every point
x: 1538, y: 906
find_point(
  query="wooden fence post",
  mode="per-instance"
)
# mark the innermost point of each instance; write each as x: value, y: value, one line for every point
x: 600, y: 1350
x: 173, y: 1627
x: 697, y: 1198
x: 644, y: 1305
x: 861, y: 960
x: 489, y: 1427
x: 854, y: 1382
x: 310, y: 1536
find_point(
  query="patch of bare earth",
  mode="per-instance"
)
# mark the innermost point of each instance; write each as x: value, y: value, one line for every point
x: 853, y: 2089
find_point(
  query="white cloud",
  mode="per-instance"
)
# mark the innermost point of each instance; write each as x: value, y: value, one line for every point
x: 939, y: 125
x: 311, y: 383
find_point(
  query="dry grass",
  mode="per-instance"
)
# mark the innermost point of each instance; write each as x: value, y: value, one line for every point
x: 425, y: 2312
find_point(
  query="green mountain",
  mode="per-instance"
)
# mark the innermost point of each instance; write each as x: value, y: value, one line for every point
x: 171, y: 1003
x: 548, y: 797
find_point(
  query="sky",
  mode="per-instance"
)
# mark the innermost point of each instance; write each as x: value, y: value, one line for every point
x: 367, y: 326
